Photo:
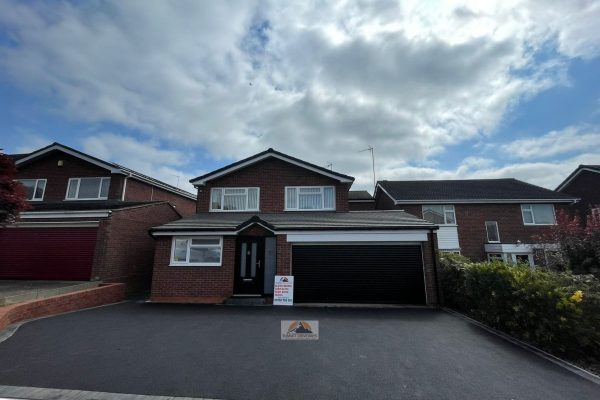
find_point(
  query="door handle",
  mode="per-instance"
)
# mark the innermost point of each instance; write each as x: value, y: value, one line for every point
x: 258, y: 264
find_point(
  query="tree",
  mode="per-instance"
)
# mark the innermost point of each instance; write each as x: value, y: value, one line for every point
x: 578, y: 245
x: 13, y: 197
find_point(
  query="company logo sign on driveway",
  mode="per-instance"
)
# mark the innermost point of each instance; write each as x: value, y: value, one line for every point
x: 299, y: 330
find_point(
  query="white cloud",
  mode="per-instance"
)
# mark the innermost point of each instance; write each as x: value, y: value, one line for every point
x: 318, y: 80
x: 144, y: 157
x: 568, y: 140
x: 31, y: 142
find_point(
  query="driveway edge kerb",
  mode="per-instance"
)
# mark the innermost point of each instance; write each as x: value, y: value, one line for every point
x: 556, y: 360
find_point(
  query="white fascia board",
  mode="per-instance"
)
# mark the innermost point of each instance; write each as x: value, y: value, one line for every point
x: 487, y: 201
x: 104, y: 165
x: 56, y: 224
x: 202, y: 182
x: 566, y: 182
x: 65, y: 214
x: 389, y: 236
x: 508, y: 248
x: 192, y: 232
x: 179, y: 192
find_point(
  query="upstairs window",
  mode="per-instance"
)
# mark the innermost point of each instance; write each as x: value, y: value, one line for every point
x: 234, y: 199
x: 538, y: 214
x: 34, y: 188
x: 88, y: 188
x: 439, y: 214
x: 298, y: 198
x: 493, y: 235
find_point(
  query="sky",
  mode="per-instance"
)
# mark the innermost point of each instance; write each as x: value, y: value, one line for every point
x: 441, y: 90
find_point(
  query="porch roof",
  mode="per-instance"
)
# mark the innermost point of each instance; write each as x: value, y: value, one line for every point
x: 353, y: 220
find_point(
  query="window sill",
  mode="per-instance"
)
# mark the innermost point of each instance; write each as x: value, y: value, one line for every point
x: 309, y: 210
x: 539, y: 224
x: 97, y: 198
x: 196, y: 265
x: 232, y: 211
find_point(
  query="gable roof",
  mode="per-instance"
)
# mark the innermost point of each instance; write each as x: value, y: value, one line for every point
x: 359, y: 196
x: 574, y: 174
x: 270, y: 153
x: 469, y: 191
x: 22, y: 159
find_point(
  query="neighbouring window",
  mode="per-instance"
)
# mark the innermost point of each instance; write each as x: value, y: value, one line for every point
x: 493, y: 235
x: 34, y: 188
x: 88, y: 188
x: 197, y: 251
x: 538, y: 214
x: 310, y: 198
x: 439, y: 214
x: 495, y: 257
x: 234, y: 199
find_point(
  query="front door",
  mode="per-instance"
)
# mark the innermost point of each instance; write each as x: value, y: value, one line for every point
x: 249, y: 276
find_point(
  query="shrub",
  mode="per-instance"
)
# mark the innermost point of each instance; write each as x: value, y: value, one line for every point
x: 558, y: 312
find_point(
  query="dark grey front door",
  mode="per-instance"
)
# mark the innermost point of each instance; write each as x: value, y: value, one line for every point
x: 249, y: 275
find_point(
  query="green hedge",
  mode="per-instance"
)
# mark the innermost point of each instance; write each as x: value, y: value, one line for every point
x: 557, y: 312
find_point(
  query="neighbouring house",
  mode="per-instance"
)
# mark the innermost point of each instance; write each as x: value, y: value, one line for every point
x: 359, y: 200
x: 583, y: 183
x: 275, y: 214
x: 480, y: 218
x: 88, y: 220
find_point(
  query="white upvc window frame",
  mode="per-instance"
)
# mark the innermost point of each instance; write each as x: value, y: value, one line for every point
x: 35, y: 187
x: 496, y: 257
x: 528, y: 208
x: 222, y: 189
x: 102, y: 179
x: 446, y: 208
x: 322, y: 193
x: 487, y: 231
x: 186, y: 263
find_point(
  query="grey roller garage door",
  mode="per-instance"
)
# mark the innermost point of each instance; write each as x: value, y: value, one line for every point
x: 359, y: 273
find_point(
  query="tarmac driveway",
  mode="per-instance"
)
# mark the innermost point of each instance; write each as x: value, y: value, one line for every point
x: 236, y: 353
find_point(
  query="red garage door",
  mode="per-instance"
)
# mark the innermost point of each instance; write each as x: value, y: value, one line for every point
x: 47, y: 253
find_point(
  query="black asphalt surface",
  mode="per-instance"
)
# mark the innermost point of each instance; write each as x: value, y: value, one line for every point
x: 236, y: 353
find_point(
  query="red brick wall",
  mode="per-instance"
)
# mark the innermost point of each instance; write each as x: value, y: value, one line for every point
x: 361, y: 206
x: 284, y: 256
x: 192, y: 284
x: 585, y: 186
x: 141, y: 191
x: 125, y: 250
x: 58, y: 177
x: 271, y: 176
x: 104, y: 294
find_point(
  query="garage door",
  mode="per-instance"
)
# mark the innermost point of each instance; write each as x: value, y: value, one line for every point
x: 358, y: 274
x: 47, y: 253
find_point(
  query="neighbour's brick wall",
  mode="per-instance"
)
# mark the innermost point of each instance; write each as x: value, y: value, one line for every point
x: 271, y: 176
x: 141, y: 191
x: 57, y: 177
x: 192, y: 284
x: 124, y: 249
x: 471, y: 219
x: 585, y: 186
x: 361, y: 206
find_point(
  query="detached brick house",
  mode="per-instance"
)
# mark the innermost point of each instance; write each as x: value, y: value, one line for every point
x: 275, y: 214
x: 481, y: 218
x: 89, y: 219
x: 584, y: 183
